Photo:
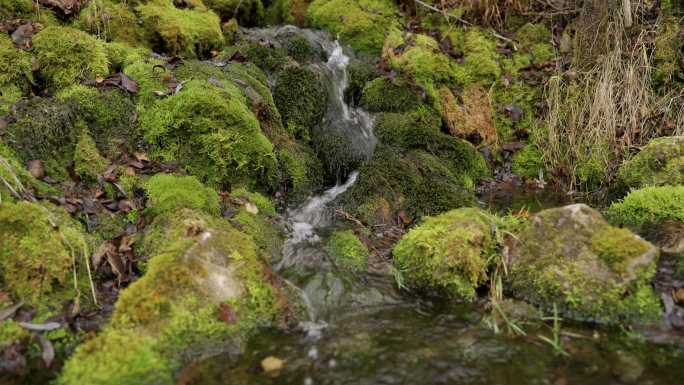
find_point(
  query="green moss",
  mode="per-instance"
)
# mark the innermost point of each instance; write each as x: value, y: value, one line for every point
x: 338, y: 152
x: 643, y: 208
x: 659, y: 163
x: 384, y: 94
x: 67, y: 55
x: 248, y: 13
x: 263, y: 203
x: 521, y: 97
x: 362, y: 24
x: 536, y: 40
x: 615, y: 246
x: 11, y: 332
x: 15, y: 8
x: 299, y: 48
x: 301, y: 99
x: 121, y: 55
x: 413, y: 129
x: 88, y: 163
x: 347, y: 250
x: 481, y: 59
x: 110, y: 21
x: 261, y: 228
x: 267, y: 58
x: 169, y: 193
x: 528, y: 162
x: 302, y: 170
x: 150, y: 75
x: 212, y: 133
x: 16, y: 75
x: 192, y: 32
x: 359, y: 73
x: 667, y: 54
x: 13, y: 173
x: 447, y: 253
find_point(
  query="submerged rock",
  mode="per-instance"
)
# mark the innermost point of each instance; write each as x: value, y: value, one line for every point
x: 660, y: 163
x: 572, y: 257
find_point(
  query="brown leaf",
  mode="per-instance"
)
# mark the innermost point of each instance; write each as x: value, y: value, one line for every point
x: 227, y: 314
x: 125, y: 244
x: 110, y: 173
x: 128, y: 84
x: 126, y: 205
x: 66, y: 6
x: 142, y: 157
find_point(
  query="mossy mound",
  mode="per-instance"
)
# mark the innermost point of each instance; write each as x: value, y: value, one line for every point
x: 260, y: 224
x: 528, y: 162
x: 448, y: 253
x: 301, y: 98
x: 88, y: 163
x: 170, y: 193
x: 661, y: 162
x: 414, y: 129
x: 191, y: 32
x: 15, y: 179
x: 572, y: 257
x: 67, y: 55
x: 347, y: 250
x: 248, y: 13
x: 111, y: 21
x: 667, y: 55
x: 647, y: 207
x: 384, y: 94
x: 16, y: 75
x: 212, y: 133
x: 362, y: 24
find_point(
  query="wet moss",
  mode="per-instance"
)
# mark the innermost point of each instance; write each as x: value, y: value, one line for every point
x: 384, y: 94
x: 110, y: 21
x: 16, y: 75
x: 338, y: 153
x: 448, y: 253
x: 641, y: 209
x: 249, y: 13
x: 360, y: 73
x: 301, y: 99
x: 262, y: 202
x: 362, y: 24
x: 288, y: 12
x: 302, y: 171
x: 67, y: 55
x: 535, y: 40
x: 88, y: 163
x: 212, y: 133
x: 517, y: 111
x: 301, y: 50
x: 191, y: 32
x: 169, y: 193
x: 413, y: 129
x: 659, y: 163
x: 347, y: 250
x: 480, y: 59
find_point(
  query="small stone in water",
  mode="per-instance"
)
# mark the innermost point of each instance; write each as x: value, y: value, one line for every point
x: 270, y: 364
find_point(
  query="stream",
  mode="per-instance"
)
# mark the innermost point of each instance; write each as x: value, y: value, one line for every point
x: 360, y: 330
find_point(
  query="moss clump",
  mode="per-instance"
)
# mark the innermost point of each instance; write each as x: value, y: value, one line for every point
x: 517, y: 111
x: 192, y: 32
x: 649, y: 206
x: 150, y: 75
x: 299, y: 48
x: 447, y: 253
x: 39, y: 249
x: 67, y: 55
x: 338, y: 152
x: 384, y: 94
x: 264, y: 204
x: 408, y: 130
x: 15, y: 73
x: 15, y: 8
x: 528, y: 162
x: 360, y: 73
x: 301, y: 99
x: 572, y: 257
x: 667, y: 54
x: 536, y: 40
x: 348, y: 251
x: 212, y: 133
x: 248, y: 13
x: 301, y: 170
x: 481, y: 59
x: 169, y: 193
x: 661, y: 162
x: 11, y: 333
x: 110, y: 21
x: 362, y: 24
x: 88, y: 163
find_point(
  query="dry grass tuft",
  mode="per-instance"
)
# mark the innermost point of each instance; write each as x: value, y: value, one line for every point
x: 471, y: 119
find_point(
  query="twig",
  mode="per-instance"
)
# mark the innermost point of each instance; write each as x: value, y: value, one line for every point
x: 348, y: 217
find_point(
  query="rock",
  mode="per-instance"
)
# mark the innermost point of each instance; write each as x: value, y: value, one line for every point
x: 669, y: 236
x: 270, y: 364
x: 661, y: 162
x: 572, y: 257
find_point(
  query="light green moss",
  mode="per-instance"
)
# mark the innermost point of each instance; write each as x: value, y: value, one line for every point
x: 302, y: 170
x: 536, y: 40
x: 362, y: 24
x: 301, y: 99
x: 88, y: 163
x: 67, y: 55
x: 615, y: 246
x: 150, y: 74
x: 667, y: 54
x: 659, y: 163
x: 263, y: 203
x: 643, y: 208
x: 212, y: 133
x: 528, y: 162
x: 348, y: 251
x: 110, y: 21
x: 11, y: 332
x: 169, y: 193
x: 121, y: 55
x: 384, y: 94
x: 13, y: 172
x: 481, y: 59
x: 526, y: 98
x: 192, y: 32
x: 413, y: 129
x: 15, y: 73
x: 448, y: 253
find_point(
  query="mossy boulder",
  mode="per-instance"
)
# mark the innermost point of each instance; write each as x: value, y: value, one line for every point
x: 16, y: 74
x: 111, y: 20
x: 645, y: 208
x: 301, y: 98
x: 570, y: 256
x: 210, y: 130
x: 257, y: 218
x: 248, y: 13
x: 168, y: 193
x: 412, y: 129
x: 362, y: 24
x: 447, y: 253
x: 88, y: 162
x: 347, y: 250
x: 388, y: 95
x: 67, y: 55
x: 661, y: 162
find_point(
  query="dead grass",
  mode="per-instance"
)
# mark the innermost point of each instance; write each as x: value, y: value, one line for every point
x: 473, y: 117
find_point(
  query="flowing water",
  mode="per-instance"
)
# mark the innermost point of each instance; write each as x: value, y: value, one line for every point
x: 359, y: 330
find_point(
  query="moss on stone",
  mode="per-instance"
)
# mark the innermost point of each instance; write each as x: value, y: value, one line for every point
x: 262, y: 202
x: 212, y: 133
x: 528, y: 161
x: 191, y: 32
x: 302, y: 172
x: 88, y: 163
x: 67, y: 55
x: 347, y: 250
x: 480, y: 61
x: 338, y: 153
x: 360, y: 73
x: 362, y: 24
x: 110, y: 21
x: 249, y: 13
x: 150, y: 74
x: 11, y: 333
x: 659, y: 163
x: 16, y: 75
x: 648, y: 206
x: 301, y: 99
x: 516, y: 110
x: 14, y: 174
x: 384, y: 94
x: 536, y: 40
x: 412, y: 129
x: 169, y: 193
x: 448, y: 253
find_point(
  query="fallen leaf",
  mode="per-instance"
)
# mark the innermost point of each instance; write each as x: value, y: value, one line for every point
x: 9, y: 312
x: 101, y: 253
x: 270, y: 364
x: 226, y: 314
x: 44, y: 327
x: 142, y: 157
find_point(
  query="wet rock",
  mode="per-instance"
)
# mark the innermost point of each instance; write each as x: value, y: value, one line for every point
x: 572, y: 257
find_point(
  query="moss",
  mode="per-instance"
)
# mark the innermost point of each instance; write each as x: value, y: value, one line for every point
x: 260, y: 227
x: 67, y: 55
x: 109, y: 115
x: 384, y: 94
x: 359, y: 73
x: 39, y: 250
x: 301, y: 99
x: 121, y: 55
x: 288, y: 12
x: 15, y: 8
x: 667, y: 54
x: 267, y: 58
x: 572, y: 257
x: 16, y: 75
x: 17, y: 177
x: 11, y: 333
x: 362, y: 24
x: 110, y: 21
x: 528, y: 162
x: 471, y: 116
x: 521, y: 98
x: 408, y: 130
x: 88, y: 163
x: 302, y: 170
x: 649, y: 206
x: 447, y: 253
x: 150, y: 74
x: 659, y: 163
x: 248, y: 13
x: 212, y: 133
x: 338, y: 152
x: 481, y: 59
x: 299, y: 48
x: 536, y: 40
x: 263, y: 203
x: 347, y: 250
x: 192, y: 32
x: 169, y: 193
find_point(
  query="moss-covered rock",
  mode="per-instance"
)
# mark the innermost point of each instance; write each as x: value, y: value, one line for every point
x: 528, y: 162
x: 661, y: 162
x: 347, y: 250
x: 287, y: 12
x: 249, y: 13
x: 260, y: 224
x: 412, y: 129
x: 647, y: 207
x: 384, y: 94
x: 191, y: 32
x: 301, y: 98
x: 448, y: 253
x: 67, y: 55
x: 88, y: 163
x: 111, y: 21
x: 15, y: 74
x: 667, y: 54
x: 572, y: 257
x: 210, y: 130
x: 168, y: 193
